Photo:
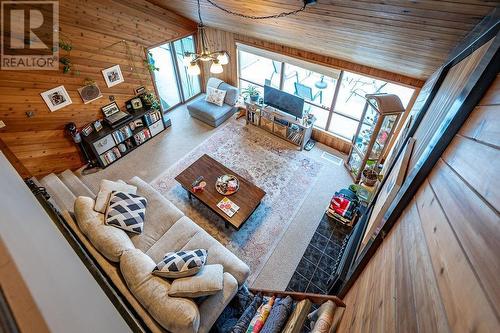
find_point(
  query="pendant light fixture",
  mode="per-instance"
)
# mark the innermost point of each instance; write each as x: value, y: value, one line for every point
x: 192, y: 60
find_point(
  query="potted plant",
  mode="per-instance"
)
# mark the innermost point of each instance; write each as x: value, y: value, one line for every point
x: 369, y: 177
x: 252, y: 92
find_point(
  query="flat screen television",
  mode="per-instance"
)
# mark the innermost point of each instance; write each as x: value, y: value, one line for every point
x: 283, y: 101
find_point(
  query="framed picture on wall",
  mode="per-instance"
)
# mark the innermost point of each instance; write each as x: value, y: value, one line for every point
x: 89, y: 93
x: 56, y: 98
x: 113, y: 75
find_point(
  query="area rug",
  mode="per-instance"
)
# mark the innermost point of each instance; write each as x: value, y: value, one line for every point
x: 286, y: 174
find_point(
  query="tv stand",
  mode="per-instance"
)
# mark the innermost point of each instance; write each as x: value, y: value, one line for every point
x: 292, y: 129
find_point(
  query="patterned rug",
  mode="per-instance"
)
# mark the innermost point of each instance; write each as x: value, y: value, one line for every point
x: 286, y: 174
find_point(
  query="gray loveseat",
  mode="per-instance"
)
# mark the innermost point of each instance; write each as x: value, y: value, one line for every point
x: 212, y: 114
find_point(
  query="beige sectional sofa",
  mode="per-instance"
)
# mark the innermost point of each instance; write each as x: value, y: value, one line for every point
x: 129, y: 260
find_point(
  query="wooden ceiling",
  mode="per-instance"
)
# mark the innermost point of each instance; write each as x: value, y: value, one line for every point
x: 411, y: 37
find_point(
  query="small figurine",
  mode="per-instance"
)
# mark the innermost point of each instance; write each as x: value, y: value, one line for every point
x: 200, y: 187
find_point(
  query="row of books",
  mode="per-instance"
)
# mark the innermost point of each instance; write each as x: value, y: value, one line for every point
x: 110, y: 156
x: 122, y: 134
x: 152, y: 117
x: 253, y: 117
x: 295, y: 136
x: 142, y: 136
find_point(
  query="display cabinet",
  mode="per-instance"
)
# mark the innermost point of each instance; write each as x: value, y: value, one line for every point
x: 380, y: 116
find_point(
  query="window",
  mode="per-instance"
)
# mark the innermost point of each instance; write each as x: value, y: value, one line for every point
x: 190, y: 84
x: 259, y: 70
x: 172, y: 82
x: 316, y: 85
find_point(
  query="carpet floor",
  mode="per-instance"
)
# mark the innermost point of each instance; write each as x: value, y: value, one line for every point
x: 284, y: 173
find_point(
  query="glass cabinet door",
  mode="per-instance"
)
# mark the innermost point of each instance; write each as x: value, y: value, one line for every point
x: 382, y: 136
x: 367, y: 127
x: 355, y: 162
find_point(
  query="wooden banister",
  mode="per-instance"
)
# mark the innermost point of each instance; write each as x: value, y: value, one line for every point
x: 314, y: 298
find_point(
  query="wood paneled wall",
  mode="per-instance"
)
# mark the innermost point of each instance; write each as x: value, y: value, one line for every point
x: 406, y: 37
x: 40, y: 142
x: 437, y: 269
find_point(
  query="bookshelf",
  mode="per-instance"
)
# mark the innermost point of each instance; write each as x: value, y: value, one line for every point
x: 109, y: 145
x: 281, y: 124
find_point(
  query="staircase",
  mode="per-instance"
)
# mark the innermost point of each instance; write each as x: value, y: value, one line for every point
x: 64, y: 188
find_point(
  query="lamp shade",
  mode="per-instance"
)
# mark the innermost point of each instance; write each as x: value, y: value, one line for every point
x: 216, y: 67
x: 187, y: 59
x: 223, y: 58
x: 194, y: 69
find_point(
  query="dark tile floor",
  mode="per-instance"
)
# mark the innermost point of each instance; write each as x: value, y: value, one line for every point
x: 317, y: 264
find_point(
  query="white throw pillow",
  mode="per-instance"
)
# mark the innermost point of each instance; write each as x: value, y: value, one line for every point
x: 208, y: 281
x: 215, y: 96
x: 108, y: 186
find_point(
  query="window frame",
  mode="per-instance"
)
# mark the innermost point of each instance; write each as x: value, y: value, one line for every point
x: 176, y: 67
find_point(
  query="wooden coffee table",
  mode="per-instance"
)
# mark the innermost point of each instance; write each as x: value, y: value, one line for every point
x: 247, y: 198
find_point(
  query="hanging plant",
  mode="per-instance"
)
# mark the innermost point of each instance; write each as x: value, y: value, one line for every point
x: 149, y: 62
x: 66, y: 60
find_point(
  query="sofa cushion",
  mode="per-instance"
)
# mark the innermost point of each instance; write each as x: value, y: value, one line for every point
x: 187, y: 235
x: 208, y: 112
x: 208, y: 281
x: 231, y: 93
x: 105, y: 189
x: 181, y: 264
x: 173, y: 313
x: 211, y: 308
x: 160, y: 217
x: 111, y: 242
x: 126, y: 211
x: 215, y: 96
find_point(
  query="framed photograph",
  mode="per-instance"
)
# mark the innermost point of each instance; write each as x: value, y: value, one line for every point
x: 97, y: 125
x: 56, y: 98
x: 112, y: 76
x: 89, y: 93
x: 140, y: 90
x: 86, y: 130
x: 136, y: 103
x: 110, y: 109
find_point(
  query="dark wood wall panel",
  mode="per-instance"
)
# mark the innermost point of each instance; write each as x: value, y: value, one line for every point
x: 39, y: 143
x: 444, y: 248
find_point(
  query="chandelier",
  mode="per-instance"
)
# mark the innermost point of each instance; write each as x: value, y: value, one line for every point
x: 218, y: 58
x: 192, y: 60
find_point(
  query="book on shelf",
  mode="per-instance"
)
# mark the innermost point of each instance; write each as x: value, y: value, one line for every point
x: 254, y: 117
x: 122, y: 134
x: 152, y: 117
x: 110, y: 156
x: 142, y: 136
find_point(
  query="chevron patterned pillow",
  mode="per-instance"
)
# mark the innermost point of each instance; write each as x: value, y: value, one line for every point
x: 181, y: 264
x: 126, y: 211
